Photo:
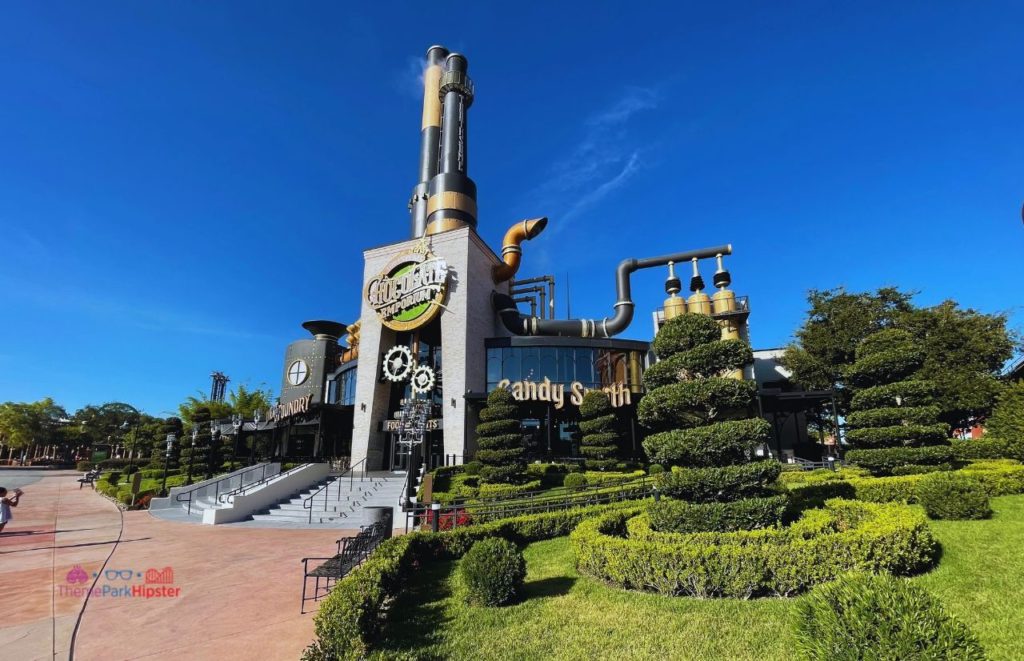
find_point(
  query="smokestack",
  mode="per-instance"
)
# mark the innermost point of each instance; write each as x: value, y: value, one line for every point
x: 325, y: 330
x: 430, y: 137
x: 451, y: 195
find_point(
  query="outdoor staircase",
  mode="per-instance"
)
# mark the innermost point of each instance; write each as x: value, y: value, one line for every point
x: 343, y: 504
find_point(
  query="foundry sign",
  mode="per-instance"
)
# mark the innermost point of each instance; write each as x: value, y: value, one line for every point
x: 282, y: 411
x: 546, y: 391
x: 408, y: 293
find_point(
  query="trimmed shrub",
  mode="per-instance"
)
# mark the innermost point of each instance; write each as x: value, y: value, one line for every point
x: 676, y: 336
x: 719, y: 484
x: 600, y: 441
x: 506, y: 490
x: 918, y: 469
x: 746, y: 514
x: 728, y: 442
x: 884, y: 461
x: 575, y: 480
x: 824, y: 544
x: 868, y: 616
x: 703, y: 361
x: 492, y: 572
x: 499, y: 439
x: 911, y: 393
x: 907, y: 435
x: 694, y: 403
x: 892, y: 415
x: 473, y: 468
x: 113, y: 477
x: 354, y: 613
x: 987, y: 447
x: 952, y: 496
x: 655, y: 469
x: 83, y: 466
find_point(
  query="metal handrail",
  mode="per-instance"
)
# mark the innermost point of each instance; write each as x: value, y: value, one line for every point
x: 216, y: 486
x: 245, y: 488
x: 325, y: 489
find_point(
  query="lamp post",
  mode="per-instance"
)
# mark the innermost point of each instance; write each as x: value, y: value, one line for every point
x: 256, y: 417
x: 135, y: 442
x: 192, y: 454
x: 236, y: 424
x: 167, y: 457
x: 214, y: 449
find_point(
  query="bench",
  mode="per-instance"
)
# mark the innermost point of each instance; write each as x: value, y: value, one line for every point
x: 89, y: 478
x: 352, y: 552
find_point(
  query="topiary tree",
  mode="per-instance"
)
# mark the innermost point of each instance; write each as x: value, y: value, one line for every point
x: 1007, y: 420
x: 499, y: 441
x: 156, y: 459
x: 600, y: 441
x: 704, y: 429
x: 891, y: 409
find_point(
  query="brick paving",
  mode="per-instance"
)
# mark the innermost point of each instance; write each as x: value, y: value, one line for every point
x: 238, y: 587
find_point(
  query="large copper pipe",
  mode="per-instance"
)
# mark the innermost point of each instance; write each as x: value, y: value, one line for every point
x: 511, y: 247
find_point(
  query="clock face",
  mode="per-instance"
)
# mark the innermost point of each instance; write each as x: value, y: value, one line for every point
x: 297, y: 373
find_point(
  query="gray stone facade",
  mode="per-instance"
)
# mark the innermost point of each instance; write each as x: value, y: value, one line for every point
x: 466, y: 321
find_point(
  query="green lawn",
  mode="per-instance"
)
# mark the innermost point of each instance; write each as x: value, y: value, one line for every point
x: 565, y: 616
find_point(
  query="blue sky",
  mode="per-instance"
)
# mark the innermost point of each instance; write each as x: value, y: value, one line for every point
x: 182, y: 184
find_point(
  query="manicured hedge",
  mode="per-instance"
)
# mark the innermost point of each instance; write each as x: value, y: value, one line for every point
x: 846, y: 536
x: 869, y: 616
x: 892, y: 415
x: 693, y: 403
x: 354, y: 613
x: 998, y: 478
x: 746, y: 514
x: 953, y: 496
x: 911, y: 393
x: 909, y: 435
x: 987, y: 447
x: 719, y: 483
x: 883, y: 461
x: 728, y: 442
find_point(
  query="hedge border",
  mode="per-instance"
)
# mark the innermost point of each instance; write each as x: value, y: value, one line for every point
x: 848, y: 536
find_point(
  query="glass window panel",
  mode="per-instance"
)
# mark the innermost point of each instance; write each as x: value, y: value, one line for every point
x: 510, y: 364
x: 566, y: 365
x: 494, y: 365
x: 585, y: 366
x: 531, y: 364
x: 548, y: 364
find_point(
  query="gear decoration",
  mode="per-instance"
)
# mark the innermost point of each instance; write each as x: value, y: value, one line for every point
x: 422, y: 379
x: 398, y: 363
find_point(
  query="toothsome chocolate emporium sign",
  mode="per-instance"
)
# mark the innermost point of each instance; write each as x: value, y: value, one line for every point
x: 408, y: 292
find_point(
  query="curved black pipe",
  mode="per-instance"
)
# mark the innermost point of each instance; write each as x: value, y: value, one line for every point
x: 520, y: 324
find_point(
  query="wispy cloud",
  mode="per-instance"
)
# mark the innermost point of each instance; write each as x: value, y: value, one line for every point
x: 409, y: 80
x: 606, y: 157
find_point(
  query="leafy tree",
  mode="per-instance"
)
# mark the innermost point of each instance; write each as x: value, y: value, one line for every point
x: 893, y: 407
x: 703, y: 425
x: 211, y: 410
x: 1007, y: 420
x: 599, y: 444
x: 26, y: 424
x: 499, y: 440
x: 964, y: 349
x: 246, y: 402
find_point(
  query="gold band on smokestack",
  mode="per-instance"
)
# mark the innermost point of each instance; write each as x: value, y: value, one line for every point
x: 511, y: 247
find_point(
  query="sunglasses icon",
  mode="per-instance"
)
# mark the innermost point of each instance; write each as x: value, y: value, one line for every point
x: 123, y: 574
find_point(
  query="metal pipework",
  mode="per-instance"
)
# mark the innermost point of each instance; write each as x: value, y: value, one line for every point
x: 511, y: 247
x: 430, y: 137
x: 550, y: 279
x: 520, y: 324
x: 451, y: 195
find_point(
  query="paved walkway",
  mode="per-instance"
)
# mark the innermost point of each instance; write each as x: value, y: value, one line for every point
x: 234, y: 591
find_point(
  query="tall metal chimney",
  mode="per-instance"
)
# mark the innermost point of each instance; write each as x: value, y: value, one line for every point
x: 430, y: 138
x: 451, y: 195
